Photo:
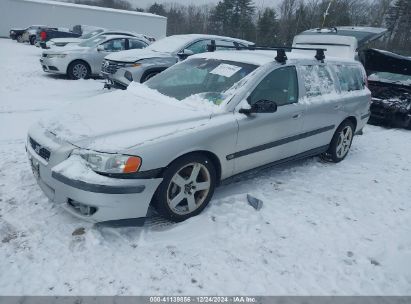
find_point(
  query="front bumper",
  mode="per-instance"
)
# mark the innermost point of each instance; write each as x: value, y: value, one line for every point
x: 389, y: 116
x: 54, y: 65
x: 88, y: 196
x: 114, y: 72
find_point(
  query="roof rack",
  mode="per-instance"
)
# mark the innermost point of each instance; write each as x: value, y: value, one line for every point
x: 281, y: 55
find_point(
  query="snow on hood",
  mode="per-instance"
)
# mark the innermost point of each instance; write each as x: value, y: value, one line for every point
x: 136, y: 54
x: 115, y: 121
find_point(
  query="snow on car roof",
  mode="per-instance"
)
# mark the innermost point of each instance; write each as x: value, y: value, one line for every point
x: 350, y: 28
x: 190, y: 37
x: 56, y: 3
x: 175, y: 43
x: 260, y: 57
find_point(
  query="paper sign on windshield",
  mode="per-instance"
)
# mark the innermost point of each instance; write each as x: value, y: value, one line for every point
x: 226, y: 70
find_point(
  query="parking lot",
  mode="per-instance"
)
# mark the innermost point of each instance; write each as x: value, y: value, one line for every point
x: 324, y: 228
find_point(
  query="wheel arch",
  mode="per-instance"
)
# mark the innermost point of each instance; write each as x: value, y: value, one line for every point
x: 351, y: 119
x: 151, y: 70
x: 75, y: 60
x: 213, y: 157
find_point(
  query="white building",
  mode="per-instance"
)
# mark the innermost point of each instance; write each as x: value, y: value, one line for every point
x: 22, y: 13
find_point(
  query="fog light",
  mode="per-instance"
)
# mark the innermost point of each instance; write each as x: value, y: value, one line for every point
x: 128, y: 76
x: 82, y: 208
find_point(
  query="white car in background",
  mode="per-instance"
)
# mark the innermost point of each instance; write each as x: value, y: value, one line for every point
x: 84, y: 60
x: 60, y: 42
x: 340, y: 41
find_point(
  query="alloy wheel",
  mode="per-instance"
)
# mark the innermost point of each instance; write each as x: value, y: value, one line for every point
x: 344, y: 141
x: 80, y: 71
x: 188, y: 188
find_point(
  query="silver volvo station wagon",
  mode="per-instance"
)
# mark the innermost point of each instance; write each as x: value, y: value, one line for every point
x: 170, y: 141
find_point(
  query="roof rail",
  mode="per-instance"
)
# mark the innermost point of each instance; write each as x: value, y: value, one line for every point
x: 281, y: 56
x: 331, y: 29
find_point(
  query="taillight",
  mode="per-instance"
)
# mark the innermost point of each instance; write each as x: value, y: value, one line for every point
x: 366, y: 82
x: 43, y: 36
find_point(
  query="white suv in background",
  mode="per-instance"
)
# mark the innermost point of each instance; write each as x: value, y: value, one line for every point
x: 140, y: 65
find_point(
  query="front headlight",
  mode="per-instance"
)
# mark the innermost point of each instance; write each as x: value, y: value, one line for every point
x: 110, y: 163
x: 132, y: 65
x: 128, y: 76
x: 56, y: 55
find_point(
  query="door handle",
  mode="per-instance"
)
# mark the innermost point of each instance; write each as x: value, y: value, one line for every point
x: 337, y: 107
x: 296, y: 116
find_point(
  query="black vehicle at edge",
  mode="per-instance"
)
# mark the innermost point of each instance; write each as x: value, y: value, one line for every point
x: 390, y: 87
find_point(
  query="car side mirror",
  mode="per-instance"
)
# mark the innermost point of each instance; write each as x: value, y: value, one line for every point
x: 261, y: 106
x: 185, y: 53
x: 100, y: 48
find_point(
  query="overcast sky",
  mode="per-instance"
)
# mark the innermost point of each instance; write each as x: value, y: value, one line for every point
x: 145, y: 3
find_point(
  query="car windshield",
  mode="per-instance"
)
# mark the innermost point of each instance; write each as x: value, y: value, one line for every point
x: 208, y: 79
x: 91, y: 34
x: 390, y: 77
x: 93, y: 41
x: 170, y: 44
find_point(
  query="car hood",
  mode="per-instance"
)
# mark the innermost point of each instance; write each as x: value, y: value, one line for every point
x: 117, y: 121
x: 383, y: 61
x: 137, y: 54
x: 66, y: 40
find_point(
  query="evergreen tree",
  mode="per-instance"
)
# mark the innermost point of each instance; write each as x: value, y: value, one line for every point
x: 398, y: 22
x: 267, y: 28
x: 233, y: 18
x: 157, y: 9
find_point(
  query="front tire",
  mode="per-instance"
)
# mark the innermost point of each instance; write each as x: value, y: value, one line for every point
x: 78, y: 70
x: 187, y: 187
x: 341, y: 143
x: 32, y: 40
x: 20, y: 38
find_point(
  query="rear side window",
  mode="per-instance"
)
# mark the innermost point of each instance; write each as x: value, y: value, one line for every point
x: 350, y: 77
x: 317, y: 80
x: 136, y: 44
x: 224, y: 43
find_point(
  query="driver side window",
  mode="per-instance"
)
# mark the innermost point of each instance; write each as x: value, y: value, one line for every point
x: 114, y: 45
x: 280, y: 86
x: 199, y: 46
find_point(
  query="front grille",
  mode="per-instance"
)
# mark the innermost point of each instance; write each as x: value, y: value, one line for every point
x: 111, y: 67
x: 39, y: 149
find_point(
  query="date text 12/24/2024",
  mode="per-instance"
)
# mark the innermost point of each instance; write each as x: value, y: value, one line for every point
x: 203, y: 299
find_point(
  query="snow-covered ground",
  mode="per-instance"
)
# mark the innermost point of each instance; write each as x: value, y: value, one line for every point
x: 324, y: 228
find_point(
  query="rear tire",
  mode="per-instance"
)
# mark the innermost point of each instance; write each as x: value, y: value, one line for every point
x: 32, y: 40
x: 78, y: 69
x: 341, y: 143
x: 187, y: 187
